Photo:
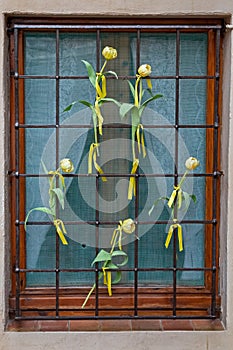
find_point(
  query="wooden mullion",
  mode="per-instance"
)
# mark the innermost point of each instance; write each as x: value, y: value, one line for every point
x: 13, y: 180
x: 209, y: 154
x: 12, y: 164
x: 22, y: 185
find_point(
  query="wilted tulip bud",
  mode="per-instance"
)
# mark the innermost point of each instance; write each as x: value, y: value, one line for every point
x: 109, y: 53
x: 192, y: 163
x: 128, y: 226
x: 144, y: 70
x: 66, y: 165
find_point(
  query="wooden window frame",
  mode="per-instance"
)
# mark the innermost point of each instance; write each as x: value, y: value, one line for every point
x: 154, y: 301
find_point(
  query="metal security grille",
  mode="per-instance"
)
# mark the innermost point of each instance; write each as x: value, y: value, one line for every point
x: 147, y: 302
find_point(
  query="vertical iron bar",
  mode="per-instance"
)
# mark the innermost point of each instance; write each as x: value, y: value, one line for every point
x: 136, y: 207
x: 176, y: 166
x: 97, y: 245
x: 17, y: 179
x: 98, y: 48
x: 57, y: 165
x: 138, y: 48
x: 215, y: 168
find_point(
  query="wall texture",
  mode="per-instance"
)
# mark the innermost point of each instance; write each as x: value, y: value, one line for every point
x: 122, y: 340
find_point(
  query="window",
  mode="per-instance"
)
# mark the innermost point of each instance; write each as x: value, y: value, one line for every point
x: 47, y: 75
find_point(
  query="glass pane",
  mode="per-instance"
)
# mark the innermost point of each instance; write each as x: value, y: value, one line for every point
x: 41, y: 279
x: 163, y: 108
x: 194, y: 140
x: 192, y: 106
x: 40, y: 53
x: 193, y: 54
x: 74, y: 47
x: 39, y: 146
x: 40, y: 101
x: 124, y: 65
x: 192, y: 256
x: 159, y: 51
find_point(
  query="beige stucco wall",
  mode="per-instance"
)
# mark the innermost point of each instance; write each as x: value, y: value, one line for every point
x: 123, y: 340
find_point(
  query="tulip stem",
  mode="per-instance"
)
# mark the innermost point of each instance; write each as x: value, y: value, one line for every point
x: 104, y: 65
x: 183, y: 178
x: 88, y: 295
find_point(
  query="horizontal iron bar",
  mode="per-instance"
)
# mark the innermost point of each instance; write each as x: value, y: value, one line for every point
x: 115, y: 126
x: 99, y: 223
x: 139, y: 269
x: 114, y: 26
x: 122, y: 317
x: 68, y: 77
x: 17, y: 174
x: 116, y: 309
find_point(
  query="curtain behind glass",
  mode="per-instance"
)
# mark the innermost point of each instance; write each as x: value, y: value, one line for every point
x: 158, y: 50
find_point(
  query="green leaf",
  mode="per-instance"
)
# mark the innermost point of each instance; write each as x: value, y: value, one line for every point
x: 106, y: 99
x: 86, y: 103
x: 44, y: 167
x: 102, y: 256
x: 117, y: 278
x: 120, y: 253
x: 156, y: 202
x: 125, y: 108
x: 42, y: 209
x: 112, y: 73
x: 60, y: 195
x: 155, y: 97
x: 110, y: 265
x: 132, y: 89
x: 68, y: 108
x: 150, y: 91
x: 193, y: 197
x: 52, y: 200
x: 135, y: 117
x: 151, y: 209
x: 62, y: 184
x: 91, y: 72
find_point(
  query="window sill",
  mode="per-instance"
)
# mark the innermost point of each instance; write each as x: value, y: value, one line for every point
x: 114, y: 325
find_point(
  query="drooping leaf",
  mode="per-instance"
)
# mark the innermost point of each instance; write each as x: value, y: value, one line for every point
x: 125, y: 108
x: 132, y: 89
x: 108, y: 99
x: 60, y: 196
x: 155, y: 97
x: 117, y: 277
x: 135, y: 116
x: 62, y: 184
x: 86, y: 103
x: 156, y: 202
x: 102, y: 256
x: 112, y: 73
x: 42, y: 209
x: 91, y: 72
x: 193, y: 197
x: 44, y: 167
x: 120, y: 253
x: 187, y: 200
x: 110, y: 265
x: 68, y: 108
x: 150, y: 92
x: 52, y: 200
x: 151, y: 209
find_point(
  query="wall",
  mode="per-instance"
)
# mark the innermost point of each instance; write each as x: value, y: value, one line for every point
x: 181, y: 340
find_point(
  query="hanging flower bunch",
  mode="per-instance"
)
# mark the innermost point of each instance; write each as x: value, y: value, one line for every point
x: 56, y: 195
x: 98, y: 81
x: 136, y: 109
x: 177, y: 199
x: 107, y: 259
